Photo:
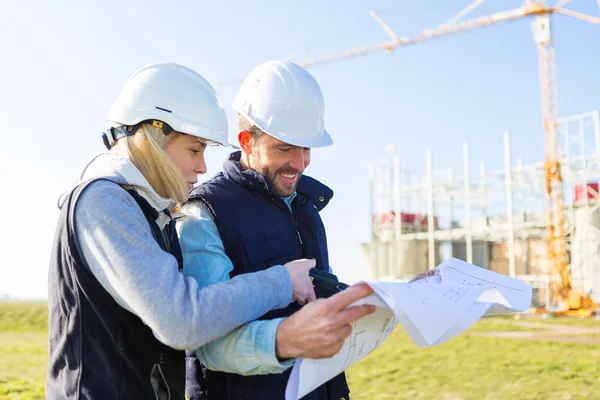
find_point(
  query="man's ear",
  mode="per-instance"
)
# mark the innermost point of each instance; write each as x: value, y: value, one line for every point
x: 245, y: 138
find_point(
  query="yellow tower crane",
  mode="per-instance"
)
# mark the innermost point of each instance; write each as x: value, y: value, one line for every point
x: 563, y: 298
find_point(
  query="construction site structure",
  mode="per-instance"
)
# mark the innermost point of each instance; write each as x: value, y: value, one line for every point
x: 494, y: 219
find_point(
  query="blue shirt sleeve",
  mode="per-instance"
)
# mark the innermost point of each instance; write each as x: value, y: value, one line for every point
x: 204, y: 256
x: 249, y: 349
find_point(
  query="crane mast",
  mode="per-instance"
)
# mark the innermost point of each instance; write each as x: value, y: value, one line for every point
x: 558, y: 267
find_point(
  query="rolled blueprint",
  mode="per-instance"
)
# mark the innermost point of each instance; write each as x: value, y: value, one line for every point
x: 432, y: 310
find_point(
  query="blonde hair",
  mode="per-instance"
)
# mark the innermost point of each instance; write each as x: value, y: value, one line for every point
x: 146, y: 150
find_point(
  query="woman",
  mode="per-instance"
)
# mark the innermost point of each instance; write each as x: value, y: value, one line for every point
x: 118, y: 307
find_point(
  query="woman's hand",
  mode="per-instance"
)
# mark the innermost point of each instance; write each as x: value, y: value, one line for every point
x: 302, y: 287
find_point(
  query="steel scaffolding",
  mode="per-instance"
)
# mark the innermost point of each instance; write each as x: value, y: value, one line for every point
x: 504, y: 205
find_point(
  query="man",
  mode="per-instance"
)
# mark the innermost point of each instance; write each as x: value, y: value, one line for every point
x: 259, y: 212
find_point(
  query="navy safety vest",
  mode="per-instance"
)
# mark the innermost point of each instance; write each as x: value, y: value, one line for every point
x: 99, y: 350
x: 258, y: 231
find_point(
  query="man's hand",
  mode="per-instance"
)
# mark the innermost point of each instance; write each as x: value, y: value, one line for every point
x: 302, y: 287
x: 319, y: 329
x: 422, y: 275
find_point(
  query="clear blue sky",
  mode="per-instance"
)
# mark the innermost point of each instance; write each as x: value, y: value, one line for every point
x: 64, y: 62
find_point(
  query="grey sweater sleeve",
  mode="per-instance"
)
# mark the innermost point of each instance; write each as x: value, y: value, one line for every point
x: 118, y: 246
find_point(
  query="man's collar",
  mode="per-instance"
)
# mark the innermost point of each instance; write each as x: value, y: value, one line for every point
x: 307, y: 186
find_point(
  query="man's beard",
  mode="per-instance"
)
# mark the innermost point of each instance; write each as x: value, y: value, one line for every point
x: 271, y: 176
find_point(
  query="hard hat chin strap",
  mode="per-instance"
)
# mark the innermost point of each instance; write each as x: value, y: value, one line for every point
x: 111, y: 135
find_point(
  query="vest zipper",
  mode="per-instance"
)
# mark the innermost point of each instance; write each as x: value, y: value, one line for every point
x: 295, y: 219
x: 299, y: 237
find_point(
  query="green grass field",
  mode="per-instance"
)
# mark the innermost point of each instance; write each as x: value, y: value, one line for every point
x: 23, y: 350
x: 465, y: 368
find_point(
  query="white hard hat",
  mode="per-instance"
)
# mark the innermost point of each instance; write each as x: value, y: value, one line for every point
x: 174, y: 95
x: 285, y: 101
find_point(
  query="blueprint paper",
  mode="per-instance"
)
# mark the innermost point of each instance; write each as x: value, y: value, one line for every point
x: 367, y: 334
x: 432, y: 310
